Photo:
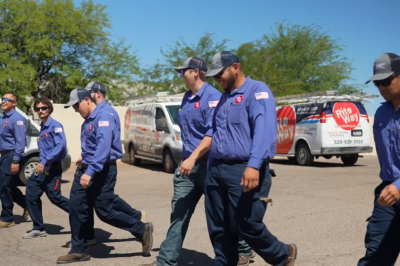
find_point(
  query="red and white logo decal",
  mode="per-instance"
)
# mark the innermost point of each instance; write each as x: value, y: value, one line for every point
x: 127, y: 119
x: 286, y: 129
x: 90, y: 127
x: 197, y: 105
x: 46, y: 135
x: 346, y: 115
x: 238, y: 99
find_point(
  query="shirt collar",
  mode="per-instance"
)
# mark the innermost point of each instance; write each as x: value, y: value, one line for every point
x: 10, y: 113
x: 101, y: 105
x: 94, y: 113
x: 242, y: 88
x: 200, y: 92
x: 47, y: 124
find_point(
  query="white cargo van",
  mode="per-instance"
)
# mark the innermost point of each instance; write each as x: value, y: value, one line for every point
x: 32, y: 151
x: 152, y: 132
x: 327, y: 125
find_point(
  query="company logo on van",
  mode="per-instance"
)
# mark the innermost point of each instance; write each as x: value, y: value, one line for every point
x: 286, y: 129
x: 346, y: 115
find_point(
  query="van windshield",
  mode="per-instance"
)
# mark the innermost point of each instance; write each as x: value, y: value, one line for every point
x: 173, y: 111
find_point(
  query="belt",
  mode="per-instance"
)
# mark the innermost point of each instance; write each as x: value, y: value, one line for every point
x: 201, y: 158
x: 85, y: 166
x: 230, y: 161
x: 5, y: 152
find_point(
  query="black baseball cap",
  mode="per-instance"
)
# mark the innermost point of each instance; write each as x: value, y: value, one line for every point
x: 221, y: 60
x: 385, y: 66
x: 77, y: 95
x: 193, y: 63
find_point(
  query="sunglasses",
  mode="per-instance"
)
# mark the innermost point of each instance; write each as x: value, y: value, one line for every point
x: 43, y: 108
x: 76, y: 106
x: 184, y: 70
x: 385, y: 82
x: 219, y: 75
x: 7, y: 100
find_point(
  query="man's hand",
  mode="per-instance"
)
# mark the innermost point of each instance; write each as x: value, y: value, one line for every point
x: 187, y: 166
x: 39, y: 168
x: 14, y: 168
x: 389, y: 196
x: 79, y: 161
x: 85, y: 179
x: 250, y: 179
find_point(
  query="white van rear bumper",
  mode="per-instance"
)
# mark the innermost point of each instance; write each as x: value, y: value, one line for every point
x: 345, y: 150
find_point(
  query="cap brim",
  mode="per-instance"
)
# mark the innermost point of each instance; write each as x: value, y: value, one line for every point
x: 380, y: 76
x: 179, y: 68
x: 214, y: 72
x: 70, y: 103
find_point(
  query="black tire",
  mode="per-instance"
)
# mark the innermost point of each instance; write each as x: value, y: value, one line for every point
x: 28, y: 169
x: 168, y: 162
x: 292, y: 159
x: 132, y: 159
x: 303, y: 155
x: 350, y: 159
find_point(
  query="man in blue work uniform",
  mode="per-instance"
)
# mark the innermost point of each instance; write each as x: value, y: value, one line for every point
x: 12, y: 145
x: 244, y: 139
x: 98, y: 92
x: 195, y: 121
x: 382, y: 240
x: 47, y: 177
x: 94, y: 180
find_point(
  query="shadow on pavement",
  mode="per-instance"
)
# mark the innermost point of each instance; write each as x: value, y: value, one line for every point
x: 316, y: 164
x: 54, y: 229
x: 194, y: 258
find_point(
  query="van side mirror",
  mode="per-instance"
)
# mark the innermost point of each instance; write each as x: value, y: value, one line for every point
x: 28, y: 127
x: 160, y: 126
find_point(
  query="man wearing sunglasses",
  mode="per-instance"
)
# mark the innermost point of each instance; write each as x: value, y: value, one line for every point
x: 47, y: 177
x: 244, y: 139
x: 382, y: 240
x: 98, y: 92
x: 12, y: 145
x: 94, y: 180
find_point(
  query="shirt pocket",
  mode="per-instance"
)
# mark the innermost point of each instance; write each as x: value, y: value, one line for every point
x: 235, y: 113
x: 90, y: 140
x: 196, y: 118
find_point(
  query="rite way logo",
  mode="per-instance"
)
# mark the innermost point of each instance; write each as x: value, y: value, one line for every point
x: 346, y: 115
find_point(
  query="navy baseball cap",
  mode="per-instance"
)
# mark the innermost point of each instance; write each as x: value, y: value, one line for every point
x: 77, y: 95
x: 221, y: 60
x: 385, y: 66
x: 96, y: 86
x: 193, y: 63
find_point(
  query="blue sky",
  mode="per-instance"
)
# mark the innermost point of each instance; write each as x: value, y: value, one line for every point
x: 368, y: 28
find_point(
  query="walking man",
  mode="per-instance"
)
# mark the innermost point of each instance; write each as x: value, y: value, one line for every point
x: 47, y: 177
x: 244, y: 139
x: 382, y: 240
x: 12, y: 145
x: 94, y: 180
x: 195, y: 121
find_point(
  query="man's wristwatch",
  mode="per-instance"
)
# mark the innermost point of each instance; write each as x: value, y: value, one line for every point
x: 15, y: 162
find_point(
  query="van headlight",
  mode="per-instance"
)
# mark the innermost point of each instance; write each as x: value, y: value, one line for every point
x: 178, y: 135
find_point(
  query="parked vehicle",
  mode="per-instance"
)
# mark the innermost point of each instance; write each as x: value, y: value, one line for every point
x: 152, y: 132
x: 323, y: 124
x: 32, y: 151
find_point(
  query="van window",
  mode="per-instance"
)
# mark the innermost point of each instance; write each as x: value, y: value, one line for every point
x: 173, y: 111
x: 161, y: 116
x: 360, y: 106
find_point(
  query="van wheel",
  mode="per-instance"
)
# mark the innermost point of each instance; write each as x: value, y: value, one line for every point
x: 349, y: 159
x: 303, y: 155
x: 168, y: 161
x: 132, y: 159
x: 28, y: 169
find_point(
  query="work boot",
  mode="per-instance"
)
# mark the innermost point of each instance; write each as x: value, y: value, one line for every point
x: 34, y: 234
x: 6, y: 224
x: 25, y: 215
x: 90, y: 242
x: 150, y: 264
x: 245, y: 259
x: 292, y: 255
x: 73, y: 257
x: 147, y: 239
x: 143, y: 217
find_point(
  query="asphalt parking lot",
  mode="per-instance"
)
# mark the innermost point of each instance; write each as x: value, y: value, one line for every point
x: 321, y: 208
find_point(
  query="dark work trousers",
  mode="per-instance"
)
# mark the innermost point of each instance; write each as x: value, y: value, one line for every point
x: 232, y: 213
x: 382, y: 239
x: 48, y: 182
x: 99, y: 194
x: 9, y: 192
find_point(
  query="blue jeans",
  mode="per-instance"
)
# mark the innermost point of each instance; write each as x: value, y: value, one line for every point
x: 50, y: 183
x: 9, y: 192
x: 382, y: 240
x: 99, y: 194
x: 187, y: 193
x: 232, y: 213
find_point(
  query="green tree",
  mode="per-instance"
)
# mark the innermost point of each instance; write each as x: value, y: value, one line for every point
x: 295, y: 59
x: 50, y: 47
x: 162, y: 75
